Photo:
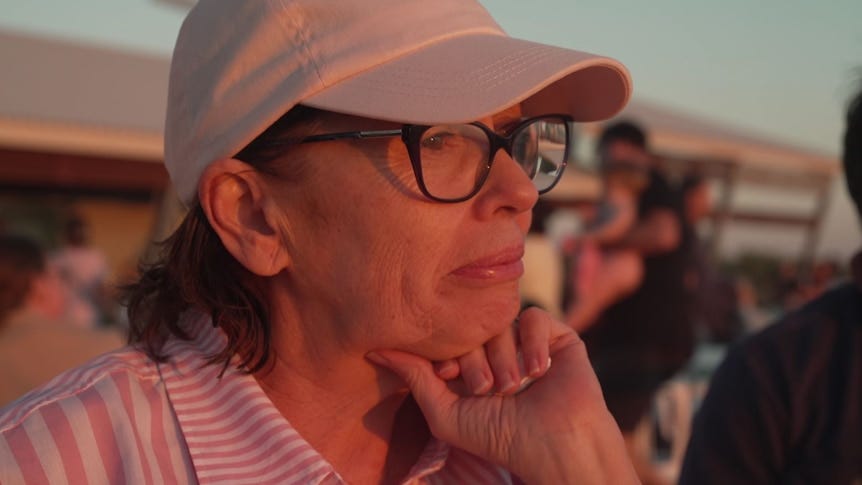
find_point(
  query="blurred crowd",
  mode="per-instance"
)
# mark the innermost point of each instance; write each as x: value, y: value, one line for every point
x: 57, y: 308
x: 657, y: 311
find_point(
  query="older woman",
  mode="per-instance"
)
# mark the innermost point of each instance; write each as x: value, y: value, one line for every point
x: 338, y: 304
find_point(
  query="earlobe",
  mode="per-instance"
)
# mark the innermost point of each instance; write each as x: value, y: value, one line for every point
x: 234, y: 199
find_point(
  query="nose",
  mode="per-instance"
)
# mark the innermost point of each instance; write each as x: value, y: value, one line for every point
x: 507, y: 188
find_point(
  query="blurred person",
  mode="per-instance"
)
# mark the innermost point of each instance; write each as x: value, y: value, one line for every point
x: 36, y: 341
x: 753, y: 315
x: 785, y: 406
x: 85, y: 271
x: 543, y: 265
x: 642, y: 340
x: 601, y: 271
x: 788, y: 286
x: 716, y: 312
x: 823, y: 276
x: 339, y: 304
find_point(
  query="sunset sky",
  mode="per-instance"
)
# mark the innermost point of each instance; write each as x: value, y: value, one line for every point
x: 780, y: 67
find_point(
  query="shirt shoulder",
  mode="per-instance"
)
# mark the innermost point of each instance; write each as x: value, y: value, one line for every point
x: 107, y: 421
x: 811, y: 336
x: 124, y: 363
x: 775, y: 387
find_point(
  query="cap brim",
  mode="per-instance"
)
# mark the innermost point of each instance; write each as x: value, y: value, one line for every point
x: 474, y: 76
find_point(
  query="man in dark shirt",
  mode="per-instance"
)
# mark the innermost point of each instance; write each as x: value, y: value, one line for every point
x: 642, y: 340
x: 786, y: 404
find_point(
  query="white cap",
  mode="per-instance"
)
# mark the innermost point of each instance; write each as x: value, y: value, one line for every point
x: 239, y: 65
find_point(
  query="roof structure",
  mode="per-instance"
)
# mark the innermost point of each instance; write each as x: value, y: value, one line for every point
x: 60, y: 88
x: 681, y: 135
x: 66, y: 97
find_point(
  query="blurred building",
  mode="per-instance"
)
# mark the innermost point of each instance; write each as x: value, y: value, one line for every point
x: 81, y: 133
x: 80, y: 130
x: 762, y: 189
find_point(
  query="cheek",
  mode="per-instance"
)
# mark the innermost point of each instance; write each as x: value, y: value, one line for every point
x: 466, y: 319
x: 404, y: 263
x: 377, y: 256
x: 448, y: 320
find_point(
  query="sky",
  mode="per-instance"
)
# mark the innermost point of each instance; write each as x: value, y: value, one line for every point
x: 782, y: 68
x: 778, y: 68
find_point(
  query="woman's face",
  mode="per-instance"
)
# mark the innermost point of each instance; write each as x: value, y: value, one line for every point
x: 384, y: 267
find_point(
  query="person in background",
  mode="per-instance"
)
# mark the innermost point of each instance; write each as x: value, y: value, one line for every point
x: 85, y: 270
x: 642, y: 340
x: 785, y: 406
x: 601, y: 271
x: 340, y: 304
x: 543, y: 266
x: 36, y: 340
x: 717, y: 310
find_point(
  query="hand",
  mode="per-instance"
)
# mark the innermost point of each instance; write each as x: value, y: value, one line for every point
x: 556, y: 431
x: 506, y: 364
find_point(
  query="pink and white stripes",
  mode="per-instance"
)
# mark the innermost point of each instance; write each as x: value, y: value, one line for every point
x: 122, y: 418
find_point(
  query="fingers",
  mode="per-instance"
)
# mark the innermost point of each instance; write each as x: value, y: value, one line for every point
x: 447, y: 369
x: 503, y: 357
x: 476, y: 371
x: 559, y: 334
x: 430, y: 392
x: 509, y: 361
x: 534, y: 328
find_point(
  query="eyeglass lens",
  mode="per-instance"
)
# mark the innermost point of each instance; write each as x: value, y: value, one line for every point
x: 455, y: 158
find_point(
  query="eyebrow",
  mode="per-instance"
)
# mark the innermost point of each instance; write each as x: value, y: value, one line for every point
x: 507, y: 119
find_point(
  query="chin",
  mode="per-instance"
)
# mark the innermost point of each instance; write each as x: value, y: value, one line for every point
x: 465, y: 320
x: 480, y: 322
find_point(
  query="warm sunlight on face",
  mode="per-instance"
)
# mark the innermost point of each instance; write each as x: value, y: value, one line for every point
x: 396, y: 269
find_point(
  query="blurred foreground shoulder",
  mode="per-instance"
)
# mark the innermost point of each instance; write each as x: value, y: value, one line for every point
x: 781, y: 406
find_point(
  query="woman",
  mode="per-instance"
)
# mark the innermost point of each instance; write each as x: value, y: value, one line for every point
x: 360, y: 179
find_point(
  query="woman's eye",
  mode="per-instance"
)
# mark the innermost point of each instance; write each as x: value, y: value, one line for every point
x: 437, y: 141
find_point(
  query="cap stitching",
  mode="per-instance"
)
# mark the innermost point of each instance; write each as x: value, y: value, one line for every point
x: 500, y: 67
x: 512, y: 59
x: 513, y: 70
x: 300, y: 31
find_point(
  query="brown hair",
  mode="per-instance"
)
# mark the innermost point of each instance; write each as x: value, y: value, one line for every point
x: 194, y: 271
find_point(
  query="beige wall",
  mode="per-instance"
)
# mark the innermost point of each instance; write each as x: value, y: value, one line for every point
x: 119, y: 228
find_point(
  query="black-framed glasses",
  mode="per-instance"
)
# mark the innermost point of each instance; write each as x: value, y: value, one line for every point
x: 452, y: 161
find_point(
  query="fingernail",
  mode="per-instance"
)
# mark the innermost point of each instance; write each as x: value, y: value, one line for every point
x: 535, y: 367
x: 507, y: 383
x: 481, y: 384
x: 445, y: 368
x: 377, y: 359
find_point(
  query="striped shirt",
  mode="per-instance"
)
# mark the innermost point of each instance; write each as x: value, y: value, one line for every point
x: 123, y: 418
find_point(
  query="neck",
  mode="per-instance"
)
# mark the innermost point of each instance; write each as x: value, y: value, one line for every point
x: 355, y: 415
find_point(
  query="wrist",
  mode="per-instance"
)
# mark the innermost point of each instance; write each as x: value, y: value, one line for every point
x: 592, y: 452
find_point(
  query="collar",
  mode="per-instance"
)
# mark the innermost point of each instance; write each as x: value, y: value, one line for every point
x: 234, y: 432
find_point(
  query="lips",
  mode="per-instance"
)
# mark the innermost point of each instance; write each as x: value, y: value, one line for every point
x: 503, y: 265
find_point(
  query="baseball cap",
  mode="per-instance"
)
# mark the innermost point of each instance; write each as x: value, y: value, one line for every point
x: 239, y: 65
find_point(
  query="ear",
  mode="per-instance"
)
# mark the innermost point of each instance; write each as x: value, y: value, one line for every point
x: 234, y: 199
